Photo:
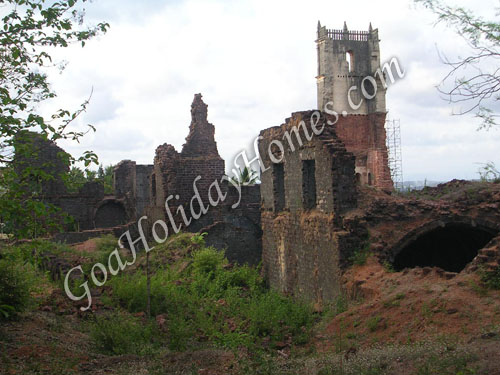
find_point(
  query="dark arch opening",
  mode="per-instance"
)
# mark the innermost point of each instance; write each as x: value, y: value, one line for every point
x: 450, y: 247
x: 110, y: 214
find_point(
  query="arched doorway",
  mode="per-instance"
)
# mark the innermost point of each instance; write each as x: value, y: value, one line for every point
x: 110, y: 214
x: 450, y: 246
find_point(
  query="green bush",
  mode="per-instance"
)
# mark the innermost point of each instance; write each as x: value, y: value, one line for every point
x: 491, y: 278
x: 106, y: 243
x: 227, y: 305
x: 34, y: 251
x: 361, y: 254
x: 207, y: 260
x: 123, y: 334
x: 17, y: 281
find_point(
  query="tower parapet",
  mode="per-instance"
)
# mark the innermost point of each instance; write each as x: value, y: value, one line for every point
x: 345, y: 58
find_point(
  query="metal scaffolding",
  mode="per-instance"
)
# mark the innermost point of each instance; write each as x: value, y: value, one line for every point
x: 393, y: 142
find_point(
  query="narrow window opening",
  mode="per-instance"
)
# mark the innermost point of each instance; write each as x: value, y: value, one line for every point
x: 370, y: 179
x: 279, y: 187
x: 308, y: 184
x: 153, y: 187
x: 358, y: 179
x: 349, y: 56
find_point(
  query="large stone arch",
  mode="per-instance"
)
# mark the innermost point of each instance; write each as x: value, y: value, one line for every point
x: 449, y: 243
x: 110, y: 213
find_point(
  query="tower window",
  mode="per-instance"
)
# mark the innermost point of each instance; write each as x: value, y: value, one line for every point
x: 278, y: 187
x: 308, y: 184
x: 153, y: 187
x: 349, y: 56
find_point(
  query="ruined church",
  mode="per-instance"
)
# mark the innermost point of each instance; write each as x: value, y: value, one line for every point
x: 320, y: 200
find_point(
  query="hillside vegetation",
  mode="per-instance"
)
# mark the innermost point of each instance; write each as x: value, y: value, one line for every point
x: 208, y: 316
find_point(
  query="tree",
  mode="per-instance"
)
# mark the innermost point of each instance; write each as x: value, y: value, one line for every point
x: 77, y: 177
x: 29, y: 30
x: 247, y: 176
x: 475, y: 78
x: 105, y: 176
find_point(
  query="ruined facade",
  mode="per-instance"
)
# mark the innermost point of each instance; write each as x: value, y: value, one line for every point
x: 176, y: 175
x: 306, y: 196
x: 174, y: 180
x: 364, y: 136
x: 89, y: 207
x: 303, y: 199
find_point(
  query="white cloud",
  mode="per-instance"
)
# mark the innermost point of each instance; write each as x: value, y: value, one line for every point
x: 255, y: 62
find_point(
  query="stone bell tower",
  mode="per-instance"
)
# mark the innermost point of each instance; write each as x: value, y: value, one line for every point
x: 348, y: 67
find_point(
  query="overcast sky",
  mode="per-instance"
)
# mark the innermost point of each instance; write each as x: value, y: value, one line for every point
x: 254, y: 61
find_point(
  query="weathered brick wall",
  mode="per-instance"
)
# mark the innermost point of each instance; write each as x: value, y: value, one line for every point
x: 131, y: 185
x: 82, y: 205
x: 174, y: 173
x: 33, y: 150
x: 201, y: 138
x: 164, y: 176
x: 301, y: 254
x: 209, y: 169
x: 365, y: 137
x: 303, y: 245
x: 124, y: 184
x: 236, y: 230
x: 143, y: 188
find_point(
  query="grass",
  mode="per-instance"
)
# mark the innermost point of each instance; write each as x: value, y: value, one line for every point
x: 360, y: 256
x: 491, y: 278
x: 481, y: 290
x: 394, y: 301
x: 425, y: 358
x: 120, y: 333
x: 373, y: 324
x: 19, y: 280
x: 204, y: 299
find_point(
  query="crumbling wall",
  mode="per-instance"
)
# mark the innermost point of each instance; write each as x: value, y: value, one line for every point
x: 365, y: 137
x: 303, y: 238
x: 34, y: 150
x: 88, y: 206
x: 237, y: 230
x: 142, y: 188
x: 131, y: 185
x: 174, y: 173
x: 82, y: 205
x: 173, y: 178
x: 395, y: 221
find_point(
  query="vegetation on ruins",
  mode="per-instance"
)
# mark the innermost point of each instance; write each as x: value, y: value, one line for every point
x: 78, y: 177
x: 29, y: 31
x: 246, y: 176
x: 474, y: 78
x: 197, y: 296
x: 202, y: 305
